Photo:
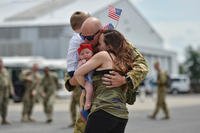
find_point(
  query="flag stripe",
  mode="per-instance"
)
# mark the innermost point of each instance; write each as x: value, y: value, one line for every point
x: 113, y: 14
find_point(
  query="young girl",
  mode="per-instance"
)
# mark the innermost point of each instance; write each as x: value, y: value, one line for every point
x: 85, y: 52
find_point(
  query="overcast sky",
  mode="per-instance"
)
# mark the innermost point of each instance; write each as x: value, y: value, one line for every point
x: 177, y: 21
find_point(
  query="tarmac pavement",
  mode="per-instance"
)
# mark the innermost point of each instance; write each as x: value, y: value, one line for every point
x: 184, y: 112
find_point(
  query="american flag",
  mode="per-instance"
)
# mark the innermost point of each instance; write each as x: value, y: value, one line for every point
x: 109, y: 26
x: 114, y: 13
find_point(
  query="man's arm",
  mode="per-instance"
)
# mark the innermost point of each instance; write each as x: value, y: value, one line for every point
x: 11, y: 87
x: 139, y: 69
x: 70, y: 82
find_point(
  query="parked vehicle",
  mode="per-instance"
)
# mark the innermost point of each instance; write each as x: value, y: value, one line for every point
x: 149, y: 85
x: 179, y: 84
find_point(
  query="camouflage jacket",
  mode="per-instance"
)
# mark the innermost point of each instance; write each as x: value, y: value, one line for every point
x: 49, y: 84
x: 31, y: 81
x: 6, y: 86
x: 161, y: 81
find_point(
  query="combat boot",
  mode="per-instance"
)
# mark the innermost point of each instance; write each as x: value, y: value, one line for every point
x: 5, y: 122
x: 31, y: 119
x: 49, y: 118
x: 49, y: 121
x: 165, y: 118
x: 24, y: 118
x: 152, y: 117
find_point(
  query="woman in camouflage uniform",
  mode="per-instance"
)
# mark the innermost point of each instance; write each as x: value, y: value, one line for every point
x: 108, y: 112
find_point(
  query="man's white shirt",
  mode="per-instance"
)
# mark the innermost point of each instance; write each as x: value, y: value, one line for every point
x: 72, y: 54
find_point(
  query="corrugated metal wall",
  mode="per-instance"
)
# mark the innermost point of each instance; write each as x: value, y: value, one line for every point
x: 46, y: 41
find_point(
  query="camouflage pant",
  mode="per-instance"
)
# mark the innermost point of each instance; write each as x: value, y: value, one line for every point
x: 48, y: 106
x: 3, y: 107
x: 28, y: 104
x: 161, y: 104
x: 74, y: 103
x: 79, y: 125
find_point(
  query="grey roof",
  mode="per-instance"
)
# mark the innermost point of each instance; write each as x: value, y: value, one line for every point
x: 9, y: 8
x: 42, y: 12
x: 39, y: 10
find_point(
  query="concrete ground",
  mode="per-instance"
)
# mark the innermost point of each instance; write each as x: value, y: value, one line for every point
x: 184, y: 111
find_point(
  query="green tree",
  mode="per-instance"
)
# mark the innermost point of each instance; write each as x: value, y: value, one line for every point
x: 192, y: 65
x: 182, y: 69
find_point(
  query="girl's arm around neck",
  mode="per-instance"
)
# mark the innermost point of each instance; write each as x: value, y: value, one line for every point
x: 96, y: 61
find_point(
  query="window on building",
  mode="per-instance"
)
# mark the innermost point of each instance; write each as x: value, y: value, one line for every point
x: 50, y: 32
x: 19, y: 49
x: 9, y: 33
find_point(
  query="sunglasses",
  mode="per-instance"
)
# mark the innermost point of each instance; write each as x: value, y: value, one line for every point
x: 89, y: 38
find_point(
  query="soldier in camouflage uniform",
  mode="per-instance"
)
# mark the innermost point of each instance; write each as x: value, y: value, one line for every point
x: 49, y: 84
x: 132, y: 78
x: 31, y: 79
x: 6, y: 88
x: 161, y: 92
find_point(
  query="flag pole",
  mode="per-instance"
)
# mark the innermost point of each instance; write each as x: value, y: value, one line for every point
x: 115, y: 14
x: 116, y: 24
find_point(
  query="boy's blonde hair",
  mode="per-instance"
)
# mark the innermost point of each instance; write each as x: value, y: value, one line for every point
x: 77, y: 19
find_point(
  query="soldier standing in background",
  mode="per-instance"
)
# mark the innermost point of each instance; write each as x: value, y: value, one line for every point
x: 31, y: 79
x: 161, y: 92
x: 6, y: 88
x: 49, y: 84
